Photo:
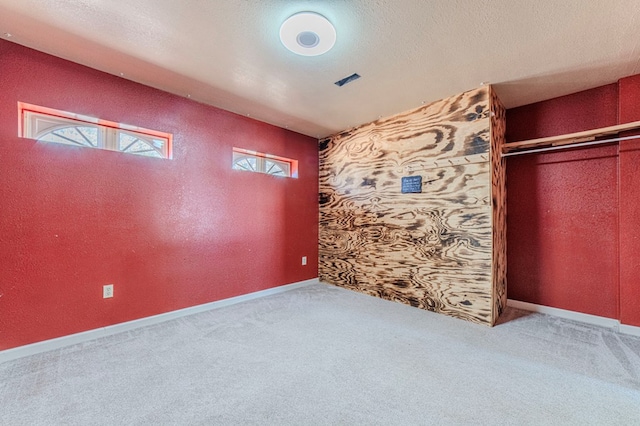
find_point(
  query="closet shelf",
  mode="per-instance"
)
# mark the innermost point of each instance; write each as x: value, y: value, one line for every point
x: 569, y: 138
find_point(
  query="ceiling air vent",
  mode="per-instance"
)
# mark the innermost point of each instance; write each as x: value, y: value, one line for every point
x: 346, y: 80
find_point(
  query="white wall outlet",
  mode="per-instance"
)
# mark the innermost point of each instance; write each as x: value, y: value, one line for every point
x: 107, y: 291
x: 304, y: 260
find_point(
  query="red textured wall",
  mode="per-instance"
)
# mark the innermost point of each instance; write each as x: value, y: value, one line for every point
x: 574, y: 221
x: 629, y: 108
x: 168, y: 234
x: 629, y: 102
x: 562, y: 230
x: 590, y: 109
x: 630, y: 232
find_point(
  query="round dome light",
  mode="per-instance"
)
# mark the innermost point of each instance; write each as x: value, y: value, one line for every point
x: 308, y: 34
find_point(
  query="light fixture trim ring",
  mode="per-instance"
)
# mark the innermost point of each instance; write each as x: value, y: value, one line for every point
x: 308, y: 34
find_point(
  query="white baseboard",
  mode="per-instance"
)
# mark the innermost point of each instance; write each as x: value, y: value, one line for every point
x: 576, y: 316
x: 85, y: 336
x: 629, y: 329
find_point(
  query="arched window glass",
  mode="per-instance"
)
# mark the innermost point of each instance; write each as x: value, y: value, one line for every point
x: 273, y: 168
x: 245, y: 163
x: 137, y: 144
x: 72, y: 135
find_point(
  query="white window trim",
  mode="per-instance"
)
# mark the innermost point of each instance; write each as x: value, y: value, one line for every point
x: 37, y: 122
x: 288, y: 166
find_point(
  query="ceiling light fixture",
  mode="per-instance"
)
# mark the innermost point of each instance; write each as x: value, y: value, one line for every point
x: 308, y: 34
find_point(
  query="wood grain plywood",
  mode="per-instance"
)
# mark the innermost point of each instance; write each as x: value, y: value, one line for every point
x: 433, y: 249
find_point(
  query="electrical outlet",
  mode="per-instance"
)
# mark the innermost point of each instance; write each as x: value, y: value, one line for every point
x: 304, y: 260
x: 107, y: 291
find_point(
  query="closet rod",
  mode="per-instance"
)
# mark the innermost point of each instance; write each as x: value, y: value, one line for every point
x: 576, y: 145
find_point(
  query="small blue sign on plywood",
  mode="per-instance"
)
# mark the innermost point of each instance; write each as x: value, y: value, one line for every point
x: 411, y: 184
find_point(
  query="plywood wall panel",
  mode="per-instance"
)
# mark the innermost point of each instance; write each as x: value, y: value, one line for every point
x: 434, y: 249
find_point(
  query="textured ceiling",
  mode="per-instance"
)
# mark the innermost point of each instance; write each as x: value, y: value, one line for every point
x: 227, y: 52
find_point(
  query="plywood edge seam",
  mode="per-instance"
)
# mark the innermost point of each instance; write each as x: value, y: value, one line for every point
x: 569, y: 138
x: 448, y: 162
x: 497, y: 131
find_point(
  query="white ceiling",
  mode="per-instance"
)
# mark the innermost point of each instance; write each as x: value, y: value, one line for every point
x: 227, y: 52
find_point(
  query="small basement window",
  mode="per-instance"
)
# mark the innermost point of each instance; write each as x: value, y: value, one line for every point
x: 252, y: 161
x: 51, y: 125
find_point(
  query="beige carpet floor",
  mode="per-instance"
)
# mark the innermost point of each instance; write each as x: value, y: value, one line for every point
x: 322, y: 355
